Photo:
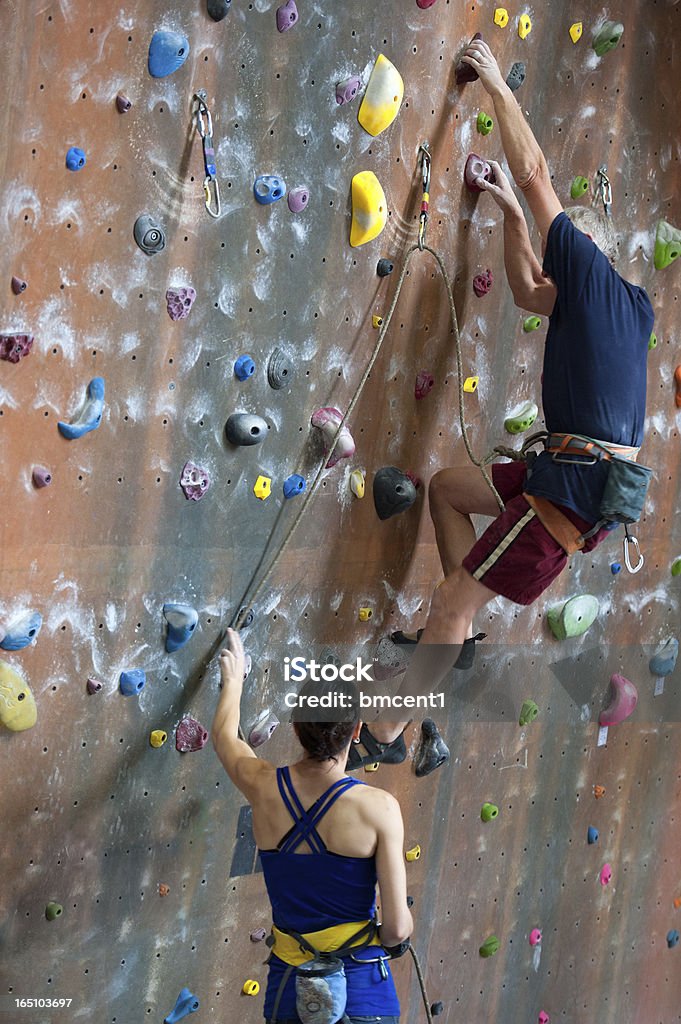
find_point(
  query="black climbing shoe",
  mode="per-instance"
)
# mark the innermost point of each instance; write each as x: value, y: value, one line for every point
x: 466, y: 656
x: 383, y: 753
x: 432, y: 750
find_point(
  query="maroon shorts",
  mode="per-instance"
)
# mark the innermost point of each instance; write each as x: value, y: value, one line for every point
x: 516, y: 556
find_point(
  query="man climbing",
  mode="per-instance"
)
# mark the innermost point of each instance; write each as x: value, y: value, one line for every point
x: 594, y: 383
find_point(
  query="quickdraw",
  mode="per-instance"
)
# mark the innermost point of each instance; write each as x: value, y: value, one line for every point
x: 605, y: 189
x: 204, y: 126
x: 424, y: 151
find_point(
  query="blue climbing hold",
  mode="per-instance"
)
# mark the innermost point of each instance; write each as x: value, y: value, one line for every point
x: 167, y: 52
x: 132, y: 682
x: 663, y: 661
x: 186, y: 1003
x: 244, y: 367
x: 592, y: 835
x: 90, y: 415
x: 268, y: 188
x: 672, y: 938
x: 22, y: 632
x: 75, y: 159
x: 182, y: 620
x: 615, y: 567
x: 293, y: 485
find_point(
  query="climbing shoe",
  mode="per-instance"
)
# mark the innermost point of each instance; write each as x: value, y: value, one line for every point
x: 466, y: 656
x: 376, y: 752
x: 432, y: 750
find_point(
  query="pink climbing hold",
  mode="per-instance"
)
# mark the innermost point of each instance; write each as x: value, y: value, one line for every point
x: 41, y: 477
x: 258, y: 934
x: 190, y: 735
x: 179, y: 302
x: 482, y: 283
x: 328, y: 420
x: 93, y: 685
x: 18, y: 285
x: 475, y: 168
x: 14, y: 347
x: 425, y: 4
x: 466, y: 72
x: 424, y: 384
x: 194, y: 481
x: 535, y: 937
x: 543, y: 1017
x: 624, y: 700
x: 263, y: 728
x: 606, y: 874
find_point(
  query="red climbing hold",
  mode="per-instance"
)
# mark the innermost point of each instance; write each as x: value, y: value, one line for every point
x: 482, y: 283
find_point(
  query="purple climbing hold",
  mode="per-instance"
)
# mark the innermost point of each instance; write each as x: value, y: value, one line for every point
x: 298, y: 199
x: 179, y: 302
x: 262, y: 728
x: 424, y: 384
x: 14, y: 347
x: 476, y: 167
x: 287, y: 16
x: 194, y: 481
x: 41, y: 476
x: 18, y: 286
x: 93, y: 685
x: 123, y: 104
x: 465, y: 72
x: 190, y: 735
x: 258, y: 935
x: 347, y: 89
x: 482, y: 283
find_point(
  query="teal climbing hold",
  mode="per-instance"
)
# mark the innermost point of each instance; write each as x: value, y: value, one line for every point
x: 574, y: 617
x: 663, y: 661
x: 521, y: 418
x: 667, y: 244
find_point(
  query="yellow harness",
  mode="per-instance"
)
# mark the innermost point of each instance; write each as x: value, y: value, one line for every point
x: 327, y: 940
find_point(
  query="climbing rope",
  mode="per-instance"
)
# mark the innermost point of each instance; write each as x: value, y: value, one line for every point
x: 422, y: 984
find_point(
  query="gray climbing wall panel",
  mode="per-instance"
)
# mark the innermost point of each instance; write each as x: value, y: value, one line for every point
x: 93, y: 816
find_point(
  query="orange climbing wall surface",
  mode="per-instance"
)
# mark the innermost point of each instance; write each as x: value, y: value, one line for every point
x: 92, y: 816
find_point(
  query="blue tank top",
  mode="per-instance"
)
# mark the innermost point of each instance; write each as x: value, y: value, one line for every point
x: 311, y: 891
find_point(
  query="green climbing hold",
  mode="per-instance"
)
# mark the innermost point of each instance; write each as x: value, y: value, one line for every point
x: 489, y: 812
x: 53, y: 911
x: 574, y: 617
x: 667, y: 244
x: 521, y: 418
x: 607, y: 37
x: 484, y: 124
x: 490, y: 946
x: 528, y: 712
x: 676, y: 567
x: 579, y: 187
x: 652, y: 341
x: 531, y: 323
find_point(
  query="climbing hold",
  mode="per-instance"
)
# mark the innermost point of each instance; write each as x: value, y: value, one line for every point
x: 599, y: 792
x: 157, y: 737
x: 624, y: 699
x: 490, y: 946
x: 258, y: 935
x: 579, y: 187
x: 482, y: 283
x: 347, y: 89
x: 615, y: 568
x: 14, y: 347
x: 393, y: 492
x: 521, y: 418
x: 248, y: 665
x: 607, y: 37
x: 263, y: 727
x: 663, y: 661
x: 543, y: 1017
x: 328, y: 420
x: 243, y: 428
x: 677, y: 903
x: 18, y: 285
x: 606, y: 875
x: 376, y: 321
x: 464, y: 72
x: 262, y: 488
x: 432, y: 751
x: 424, y: 384
x: 18, y: 709
x: 413, y: 854
x: 535, y: 937
x: 677, y: 385
x: 524, y: 26
x: 484, y: 123
x: 365, y: 614
x: 182, y: 620
x: 592, y: 835
x: 293, y: 485
x: 53, y: 911
x: 41, y: 477
x: 436, y: 1009
x: 501, y: 17
x: 190, y: 735
x: 90, y: 416
x: 667, y: 244
x: 268, y: 188
x: 574, y: 617
x: 244, y: 367
x: 489, y: 812
x: 93, y: 686
x: 672, y: 938
x: 373, y: 767
x: 528, y: 712
x: 250, y: 988
x: 22, y: 631
x: 179, y: 302
x: 246, y: 617
x: 167, y: 52
x: 576, y: 31
x: 470, y: 384
x: 194, y: 481
x: 287, y: 16
x: 186, y: 1003
x: 652, y: 341
x: 516, y: 76
x: 298, y: 199
x: 123, y: 104
x: 357, y: 483
x: 476, y: 167
x: 163, y: 889
x: 149, y: 235
x: 369, y: 208
x: 676, y: 567
x: 75, y: 158
x: 382, y: 97
x: 217, y: 9
x: 279, y: 370
x: 384, y: 267
x: 132, y: 682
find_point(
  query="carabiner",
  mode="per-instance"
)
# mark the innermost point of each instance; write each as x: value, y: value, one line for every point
x: 204, y: 126
x: 209, y: 198
x: 424, y: 153
x: 605, y: 189
x: 625, y: 543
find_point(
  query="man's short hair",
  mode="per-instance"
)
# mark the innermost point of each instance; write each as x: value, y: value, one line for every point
x: 596, y: 224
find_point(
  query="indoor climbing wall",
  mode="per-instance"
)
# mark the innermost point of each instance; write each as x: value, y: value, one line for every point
x: 128, y: 867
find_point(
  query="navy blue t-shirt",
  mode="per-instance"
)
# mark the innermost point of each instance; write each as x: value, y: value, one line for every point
x: 595, y: 362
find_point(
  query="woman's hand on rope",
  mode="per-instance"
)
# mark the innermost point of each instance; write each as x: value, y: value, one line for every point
x: 232, y: 658
x: 500, y: 190
x: 482, y: 60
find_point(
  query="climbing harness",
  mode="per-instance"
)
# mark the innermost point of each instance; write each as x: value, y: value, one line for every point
x: 204, y: 126
x: 424, y: 151
x: 605, y: 189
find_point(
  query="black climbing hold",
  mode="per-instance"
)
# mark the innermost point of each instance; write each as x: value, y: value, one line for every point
x: 217, y: 9
x: 516, y: 76
x: 410, y: 901
x: 384, y: 267
x: 432, y: 750
x: 246, y: 617
x: 393, y: 492
x: 243, y: 428
x: 149, y: 235
x: 436, y: 1009
x: 279, y: 370
x: 123, y: 104
x: 464, y: 72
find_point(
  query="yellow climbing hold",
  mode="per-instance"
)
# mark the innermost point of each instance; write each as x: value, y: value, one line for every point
x: 262, y: 487
x: 250, y: 987
x: 501, y: 17
x: 382, y: 98
x: 17, y: 706
x: 357, y: 483
x: 470, y: 384
x: 371, y: 767
x: 365, y: 614
x: 369, y: 208
x: 413, y: 854
x: 524, y: 26
x: 376, y: 321
x: 576, y: 31
x: 158, y: 737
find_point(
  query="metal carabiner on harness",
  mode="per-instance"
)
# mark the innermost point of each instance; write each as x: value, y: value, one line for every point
x: 380, y: 960
x: 204, y: 126
x: 605, y: 189
x: 424, y: 152
x: 625, y: 544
